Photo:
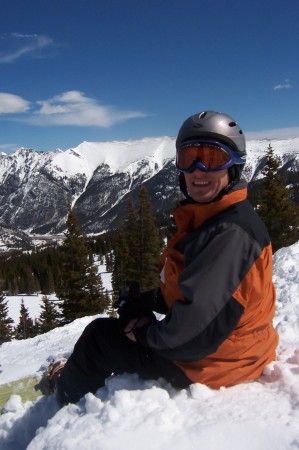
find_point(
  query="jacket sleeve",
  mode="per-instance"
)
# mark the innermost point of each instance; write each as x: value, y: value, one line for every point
x: 215, y: 265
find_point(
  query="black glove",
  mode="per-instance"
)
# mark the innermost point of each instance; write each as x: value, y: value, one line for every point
x: 132, y: 304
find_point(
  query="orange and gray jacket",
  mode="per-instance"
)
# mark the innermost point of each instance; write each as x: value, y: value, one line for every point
x: 216, y: 279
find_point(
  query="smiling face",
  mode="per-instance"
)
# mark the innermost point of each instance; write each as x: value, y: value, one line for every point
x: 204, y: 187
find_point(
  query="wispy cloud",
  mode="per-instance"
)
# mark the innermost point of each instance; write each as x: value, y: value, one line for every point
x: 12, y: 104
x: 71, y: 108
x: 8, y: 148
x: 23, y: 45
x: 285, y: 85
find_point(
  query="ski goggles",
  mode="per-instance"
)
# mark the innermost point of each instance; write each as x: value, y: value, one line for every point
x: 205, y: 155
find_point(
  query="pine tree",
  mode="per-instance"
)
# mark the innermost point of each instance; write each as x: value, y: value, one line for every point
x: 149, y: 243
x: 80, y: 287
x: 109, y: 261
x: 25, y: 328
x: 132, y: 245
x: 137, y: 248
x: 49, y: 318
x: 120, y: 271
x: 6, y: 328
x: 49, y: 286
x: 275, y: 205
x: 29, y: 284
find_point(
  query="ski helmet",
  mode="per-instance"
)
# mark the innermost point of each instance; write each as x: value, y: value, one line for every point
x: 215, y: 126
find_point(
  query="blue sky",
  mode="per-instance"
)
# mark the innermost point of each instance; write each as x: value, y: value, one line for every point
x: 97, y: 70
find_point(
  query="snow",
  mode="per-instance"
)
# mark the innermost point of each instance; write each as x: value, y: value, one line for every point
x: 129, y: 413
x: 31, y: 302
x: 118, y: 155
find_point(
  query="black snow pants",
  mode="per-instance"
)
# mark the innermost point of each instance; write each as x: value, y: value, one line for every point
x: 102, y: 350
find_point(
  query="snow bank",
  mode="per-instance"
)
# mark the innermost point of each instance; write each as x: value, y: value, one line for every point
x: 131, y: 414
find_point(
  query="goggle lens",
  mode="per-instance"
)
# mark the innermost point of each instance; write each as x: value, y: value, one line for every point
x: 205, y: 156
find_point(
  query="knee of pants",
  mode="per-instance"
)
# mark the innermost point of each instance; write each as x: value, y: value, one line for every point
x: 100, y: 327
x: 97, y: 331
x: 73, y: 383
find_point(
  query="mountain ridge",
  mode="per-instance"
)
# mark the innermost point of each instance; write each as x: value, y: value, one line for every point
x: 96, y: 179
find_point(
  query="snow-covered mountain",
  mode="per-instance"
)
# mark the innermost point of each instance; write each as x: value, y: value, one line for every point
x: 96, y: 178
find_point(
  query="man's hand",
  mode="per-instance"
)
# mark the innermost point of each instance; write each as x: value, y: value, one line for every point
x: 133, y: 304
x: 135, y: 323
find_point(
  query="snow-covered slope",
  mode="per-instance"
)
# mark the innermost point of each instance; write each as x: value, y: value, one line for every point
x: 286, y: 149
x: 130, y: 414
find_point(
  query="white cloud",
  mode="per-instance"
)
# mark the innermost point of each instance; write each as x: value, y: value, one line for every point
x: 71, y: 108
x: 279, y: 133
x: 285, y: 85
x: 12, y: 104
x: 20, y: 45
x: 76, y: 109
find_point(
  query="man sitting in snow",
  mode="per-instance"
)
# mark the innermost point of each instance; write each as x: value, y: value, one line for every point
x: 216, y: 288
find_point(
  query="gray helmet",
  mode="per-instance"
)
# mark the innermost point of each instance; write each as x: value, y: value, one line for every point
x: 213, y: 125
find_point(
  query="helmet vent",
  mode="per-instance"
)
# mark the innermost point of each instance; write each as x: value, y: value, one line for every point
x: 202, y: 115
x: 232, y: 124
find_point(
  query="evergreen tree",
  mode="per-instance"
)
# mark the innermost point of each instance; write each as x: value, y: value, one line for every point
x: 28, y: 283
x: 97, y: 299
x: 6, y: 328
x: 80, y: 287
x: 120, y: 272
x: 110, y: 309
x: 109, y: 261
x: 275, y: 205
x: 25, y: 328
x: 138, y: 248
x: 132, y: 245
x: 149, y: 243
x: 48, y: 282
x: 49, y: 318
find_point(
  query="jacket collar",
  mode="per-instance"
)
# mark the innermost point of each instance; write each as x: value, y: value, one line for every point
x: 190, y: 216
